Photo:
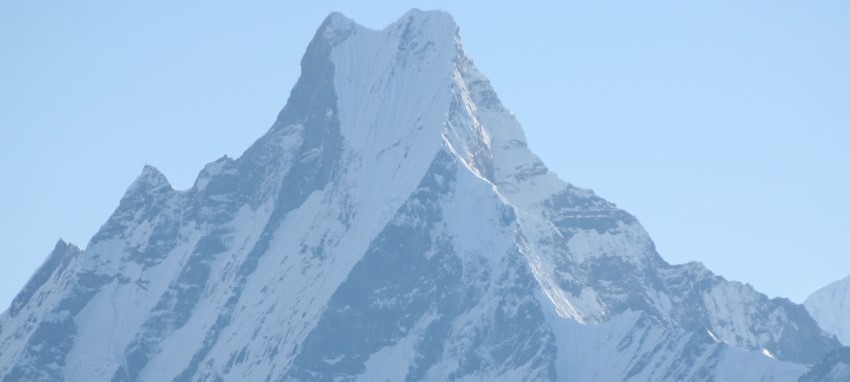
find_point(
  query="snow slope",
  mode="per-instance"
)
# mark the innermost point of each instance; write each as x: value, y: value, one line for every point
x: 392, y: 224
x: 830, y: 307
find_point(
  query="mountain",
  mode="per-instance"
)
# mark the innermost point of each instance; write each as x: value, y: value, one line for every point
x: 391, y: 225
x: 830, y: 307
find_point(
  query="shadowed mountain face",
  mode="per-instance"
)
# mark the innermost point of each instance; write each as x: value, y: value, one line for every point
x: 391, y: 225
x: 835, y: 367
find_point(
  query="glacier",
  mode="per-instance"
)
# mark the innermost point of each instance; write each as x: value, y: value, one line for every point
x: 392, y: 224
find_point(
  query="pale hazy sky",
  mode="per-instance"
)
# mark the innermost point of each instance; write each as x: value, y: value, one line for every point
x: 724, y: 126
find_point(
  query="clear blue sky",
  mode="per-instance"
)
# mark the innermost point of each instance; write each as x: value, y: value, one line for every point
x: 724, y: 126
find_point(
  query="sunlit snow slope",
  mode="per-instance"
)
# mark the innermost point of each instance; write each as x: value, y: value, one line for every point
x: 830, y: 307
x: 391, y: 225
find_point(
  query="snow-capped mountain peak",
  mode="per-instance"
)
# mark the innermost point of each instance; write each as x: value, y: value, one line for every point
x: 391, y: 225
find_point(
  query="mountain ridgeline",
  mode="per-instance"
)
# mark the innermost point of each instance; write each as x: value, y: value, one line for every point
x: 391, y: 225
